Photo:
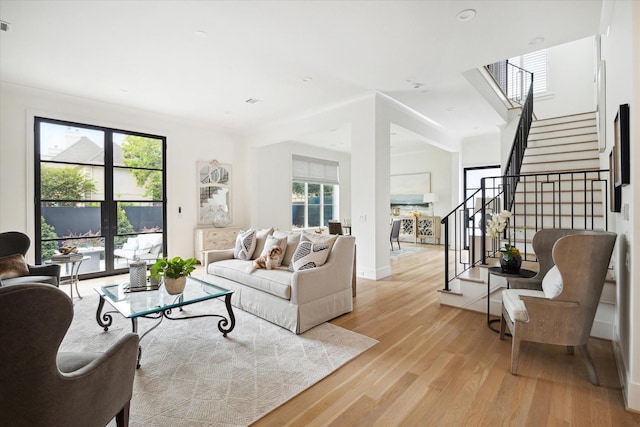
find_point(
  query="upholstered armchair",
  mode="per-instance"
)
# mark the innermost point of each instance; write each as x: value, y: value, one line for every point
x: 13, y: 266
x: 562, y: 312
x: 42, y: 387
x: 542, y: 245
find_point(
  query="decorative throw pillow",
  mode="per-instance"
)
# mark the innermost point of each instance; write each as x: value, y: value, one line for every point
x: 328, y: 239
x: 13, y: 266
x: 131, y: 245
x: 552, y: 283
x: 309, y: 255
x: 274, y: 241
x: 245, y: 245
x: 293, y: 238
x: 261, y: 238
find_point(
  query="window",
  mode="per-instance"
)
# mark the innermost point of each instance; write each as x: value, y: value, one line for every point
x: 95, y: 188
x: 536, y: 63
x: 314, y: 192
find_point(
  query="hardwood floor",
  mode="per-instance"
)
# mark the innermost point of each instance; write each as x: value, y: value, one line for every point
x: 441, y: 366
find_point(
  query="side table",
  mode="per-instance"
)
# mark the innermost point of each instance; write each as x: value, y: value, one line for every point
x: 497, y: 271
x: 72, y: 265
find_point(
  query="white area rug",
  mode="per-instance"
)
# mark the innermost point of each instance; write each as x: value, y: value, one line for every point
x: 193, y: 376
x: 405, y: 250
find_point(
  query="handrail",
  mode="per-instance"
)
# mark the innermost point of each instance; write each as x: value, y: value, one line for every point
x: 575, y: 199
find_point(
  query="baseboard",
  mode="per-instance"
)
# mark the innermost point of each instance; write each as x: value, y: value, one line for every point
x: 630, y: 390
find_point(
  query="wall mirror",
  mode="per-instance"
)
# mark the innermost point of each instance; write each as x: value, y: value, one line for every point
x: 214, y: 193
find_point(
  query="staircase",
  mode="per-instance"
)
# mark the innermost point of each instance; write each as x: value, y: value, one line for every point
x: 562, y: 187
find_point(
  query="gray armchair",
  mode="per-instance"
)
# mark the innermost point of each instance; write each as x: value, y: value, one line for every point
x: 14, y: 242
x: 42, y: 387
x: 562, y: 312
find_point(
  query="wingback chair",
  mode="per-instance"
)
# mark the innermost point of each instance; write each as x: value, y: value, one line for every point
x: 562, y: 312
x: 542, y: 244
x: 42, y: 387
x: 16, y: 243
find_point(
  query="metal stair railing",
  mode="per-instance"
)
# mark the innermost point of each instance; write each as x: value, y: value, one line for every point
x: 575, y: 199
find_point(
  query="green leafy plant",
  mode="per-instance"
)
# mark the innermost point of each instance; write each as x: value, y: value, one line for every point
x: 173, y: 268
x: 509, y: 252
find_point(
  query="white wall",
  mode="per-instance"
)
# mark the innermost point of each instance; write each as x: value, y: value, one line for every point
x: 271, y: 189
x: 19, y: 104
x: 622, y: 87
x: 570, y: 80
x: 481, y: 150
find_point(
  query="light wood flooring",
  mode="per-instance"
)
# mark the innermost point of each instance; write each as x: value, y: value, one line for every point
x: 441, y: 366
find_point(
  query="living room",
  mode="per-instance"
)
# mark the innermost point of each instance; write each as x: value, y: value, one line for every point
x: 260, y: 153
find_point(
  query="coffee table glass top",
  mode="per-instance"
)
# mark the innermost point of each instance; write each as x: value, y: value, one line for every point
x: 136, y: 304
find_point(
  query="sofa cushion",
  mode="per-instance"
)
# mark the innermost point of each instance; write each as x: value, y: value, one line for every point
x: 275, y: 282
x: 13, y: 266
x: 245, y: 245
x: 552, y: 283
x: 309, y: 255
x: 148, y: 243
x: 261, y: 239
x: 515, y: 306
x: 131, y: 245
x: 293, y: 238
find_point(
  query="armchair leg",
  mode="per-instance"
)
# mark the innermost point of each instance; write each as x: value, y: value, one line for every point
x: 586, y: 357
x: 122, y: 418
x: 515, y: 353
x: 502, y: 326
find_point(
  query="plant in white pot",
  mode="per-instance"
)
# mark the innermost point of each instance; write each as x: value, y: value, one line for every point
x: 174, y: 271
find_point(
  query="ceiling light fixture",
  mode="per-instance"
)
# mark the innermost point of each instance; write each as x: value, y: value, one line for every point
x: 4, y: 26
x: 254, y: 101
x: 466, y: 15
x: 307, y: 79
x: 201, y: 34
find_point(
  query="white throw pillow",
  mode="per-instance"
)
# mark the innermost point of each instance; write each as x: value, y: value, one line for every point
x: 131, y: 245
x: 329, y: 239
x: 274, y: 241
x: 309, y: 255
x: 552, y: 283
x: 293, y: 238
x: 261, y: 238
x: 245, y: 245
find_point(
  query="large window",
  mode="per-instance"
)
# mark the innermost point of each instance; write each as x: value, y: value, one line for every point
x: 96, y: 188
x: 314, y: 192
x: 536, y: 63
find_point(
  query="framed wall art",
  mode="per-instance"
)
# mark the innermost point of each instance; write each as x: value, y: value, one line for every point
x: 621, y: 135
x: 615, y: 191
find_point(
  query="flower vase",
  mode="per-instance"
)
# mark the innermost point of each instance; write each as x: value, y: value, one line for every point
x: 175, y: 286
x: 512, y: 265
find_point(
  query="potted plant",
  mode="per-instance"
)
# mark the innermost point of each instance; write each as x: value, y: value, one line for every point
x: 174, y: 271
x: 510, y: 258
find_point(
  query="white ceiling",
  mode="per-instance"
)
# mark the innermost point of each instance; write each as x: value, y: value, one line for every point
x: 152, y: 55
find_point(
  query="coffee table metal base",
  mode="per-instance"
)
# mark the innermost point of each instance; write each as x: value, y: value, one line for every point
x: 225, y: 325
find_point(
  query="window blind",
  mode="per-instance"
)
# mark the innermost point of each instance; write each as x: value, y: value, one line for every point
x: 309, y: 169
x: 535, y: 62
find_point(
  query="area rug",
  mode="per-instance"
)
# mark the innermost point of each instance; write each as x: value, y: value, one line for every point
x: 405, y: 250
x: 192, y: 375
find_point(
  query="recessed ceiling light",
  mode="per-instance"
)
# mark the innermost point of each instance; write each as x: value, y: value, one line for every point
x: 201, y: 34
x: 307, y: 79
x: 451, y: 109
x: 536, y: 40
x: 254, y: 101
x: 466, y: 15
x: 5, y: 26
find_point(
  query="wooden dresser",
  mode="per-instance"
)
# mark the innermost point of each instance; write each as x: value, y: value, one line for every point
x: 209, y: 238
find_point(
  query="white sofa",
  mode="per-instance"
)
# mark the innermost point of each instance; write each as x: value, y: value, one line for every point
x: 297, y: 300
x: 146, y: 247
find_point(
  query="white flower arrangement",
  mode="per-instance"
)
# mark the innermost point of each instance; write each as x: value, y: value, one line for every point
x: 498, y: 223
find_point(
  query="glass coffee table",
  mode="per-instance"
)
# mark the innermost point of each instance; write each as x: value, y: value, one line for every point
x: 158, y: 304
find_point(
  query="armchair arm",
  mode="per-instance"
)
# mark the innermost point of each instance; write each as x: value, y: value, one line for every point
x: 105, y: 384
x: 216, y: 255
x: 45, y: 270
